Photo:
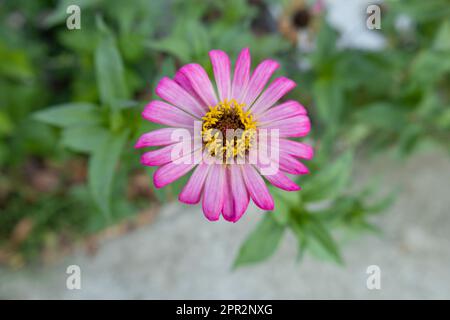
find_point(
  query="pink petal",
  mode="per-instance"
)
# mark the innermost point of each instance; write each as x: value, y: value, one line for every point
x: 278, y: 179
x: 257, y: 188
x: 241, y: 196
x: 184, y: 82
x: 221, y: 68
x: 236, y: 195
x: 192, y: 191
x: 170, y: 172
x: 159, y: 137
x: 282, y: 111
x: 213, y: 195
x: 164, y: 113
x: 282, y: 181
x: 282, y: 160
x: 169, y: 153
x: 258, y: 81
x: 158, y: 157
x: 296, y: 149
x: 228, y: 205
x: 291, y: 165
x: 200, y: 82
x: 297, y: 126
x: 241, y: 75
x: 277, y: 89
x: 172, y: 92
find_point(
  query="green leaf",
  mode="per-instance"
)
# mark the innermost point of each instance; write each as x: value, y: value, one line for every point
x: 261, y: 243
x: 302, y: 247
x: 443, y: 120
x: 329, y: 101
x: 329, y: 181
x: 312, y: 235
x: 422, y: 11
x: 428, y: 67
x: 15, y: 64
x: 284, y: 201
x: 409, y: 139
x: 356, y: 134
x: 84, y: 138
x: 365, y: 226
x: 297, y: 221
x: 381, y: 205
x: 69, y: 114
x: 102, y: 165
x: 109, y: 70
x: 321, y: 243
x: 382, y: 115
x: 6, y: 125
x: 326, y: 45
x: 197, y: 38
x: 188, y: 41
x: 339, y: 209
x: 281, y: 211
x: 174, y: 46
x: 442, y: 39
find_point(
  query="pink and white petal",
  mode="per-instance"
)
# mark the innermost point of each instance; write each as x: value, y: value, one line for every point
x: 282, y: 181
x: 213, y: 195
x: 276, y: 90
x: 297, y: 126
x: 170, y: 172
x: 241, y: 197
x: 296, y: 149
x: 257, y: 188
x: 221, y: 68
x: 201, y: 84
x: 273, y: 173
x: 184, y: 82
x: 164, y: 113
x: 282, y: 111
x: 228, y: 205
x: 291, y: 165
x: 159, y: 137
x: 258, y: 81
x: 238, y: 195
x: 241, y: 75
x: 192, y: 191
x: 172, y: 92
x: 158, y: 157
x: 170, y: 153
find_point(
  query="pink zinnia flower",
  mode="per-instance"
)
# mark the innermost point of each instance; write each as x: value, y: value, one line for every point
x: 224, y: 176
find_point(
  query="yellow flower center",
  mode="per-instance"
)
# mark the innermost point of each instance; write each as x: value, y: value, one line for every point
x: 228, y: 130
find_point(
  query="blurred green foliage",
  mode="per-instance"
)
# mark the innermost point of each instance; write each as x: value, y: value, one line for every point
x: 69, y: 94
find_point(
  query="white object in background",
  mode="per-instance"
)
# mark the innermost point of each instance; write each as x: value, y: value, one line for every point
x: 349, y: 18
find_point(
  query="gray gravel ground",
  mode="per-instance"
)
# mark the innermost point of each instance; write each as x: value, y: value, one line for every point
x: 184, y: 256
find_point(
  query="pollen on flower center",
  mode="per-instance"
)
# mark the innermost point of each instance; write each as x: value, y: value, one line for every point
x: 228, y: 130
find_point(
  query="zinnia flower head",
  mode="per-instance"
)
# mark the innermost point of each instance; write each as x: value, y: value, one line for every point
x: 231, y: 136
